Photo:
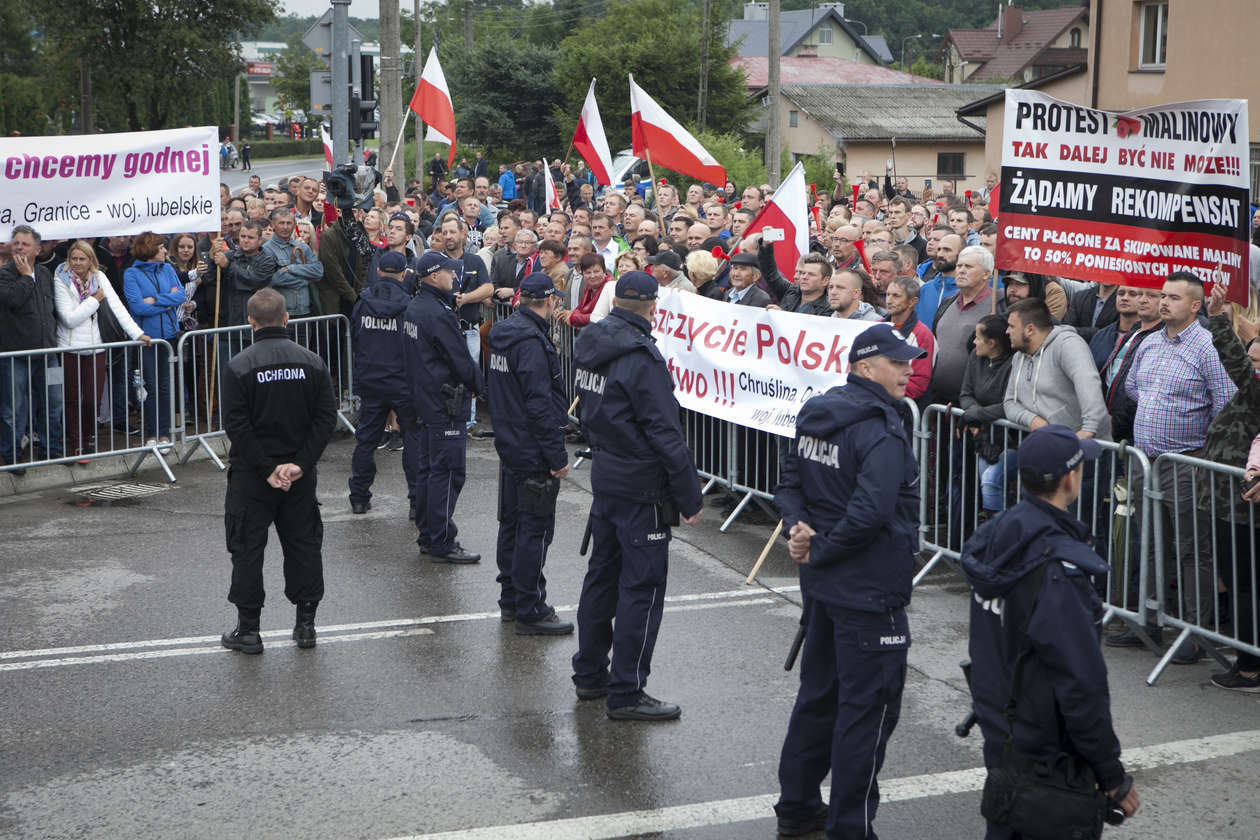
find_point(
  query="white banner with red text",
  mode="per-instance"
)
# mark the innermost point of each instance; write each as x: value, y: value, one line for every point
x: 73, y: 186
x: 755, y: 367
x: 1125, y: 198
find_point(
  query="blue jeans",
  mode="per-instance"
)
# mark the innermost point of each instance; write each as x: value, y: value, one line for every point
x: 995, y: 479
x: 24, y: 381
x: 155, y: 369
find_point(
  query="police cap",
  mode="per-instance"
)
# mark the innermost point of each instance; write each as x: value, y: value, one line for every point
x: 1055, y: 450
x: 392, y: 261
x: 883, y: 340
x: 636, y: 285
x: 538, y: 286
x: 432, y: 261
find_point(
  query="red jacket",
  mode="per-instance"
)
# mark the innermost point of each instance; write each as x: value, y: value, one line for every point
x: 918, y: 335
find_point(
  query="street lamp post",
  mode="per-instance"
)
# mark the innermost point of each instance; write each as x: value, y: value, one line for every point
x: 850, y: 20
x: 911, y: 38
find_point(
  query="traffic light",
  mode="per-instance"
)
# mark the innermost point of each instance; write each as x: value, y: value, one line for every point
x: 366, y: 117
x: 354, y: 123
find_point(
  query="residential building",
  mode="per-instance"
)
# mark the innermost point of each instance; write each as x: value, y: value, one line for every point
x: 1020, y: 45
x: 821, y: 31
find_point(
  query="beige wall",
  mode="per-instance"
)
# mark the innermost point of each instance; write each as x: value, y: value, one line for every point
x: 841, y: 46
x: 1065, y: 40
x: 915, y: 161
x: 1072, y: 89
x: 1211, y: 54
x: 808, y: 137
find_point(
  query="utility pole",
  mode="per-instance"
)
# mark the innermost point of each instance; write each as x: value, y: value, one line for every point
x: 391, y: 85
x: 85, y: 97
x: 339, y: 64
x: 702, y: 98
x: 418, y: 65
x: 772, y: 109
x: 468, y: 24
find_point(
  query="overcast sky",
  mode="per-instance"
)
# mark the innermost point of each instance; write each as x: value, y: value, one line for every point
x: 358, y: 8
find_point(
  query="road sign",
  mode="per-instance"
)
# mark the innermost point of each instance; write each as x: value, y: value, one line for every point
x: 319, y: 36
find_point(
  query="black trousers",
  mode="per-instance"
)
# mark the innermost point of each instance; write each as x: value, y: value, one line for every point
x: 250, y: 509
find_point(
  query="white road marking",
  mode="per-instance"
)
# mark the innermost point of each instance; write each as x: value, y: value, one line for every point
x: 197, y: 651
x: 748, y: 808
x: 387, y: 628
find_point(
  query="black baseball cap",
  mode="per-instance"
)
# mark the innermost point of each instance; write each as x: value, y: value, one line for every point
x: 1055, y: 450
x: 667, y: 257
x: 537, y: 286
x: 883, y: 340
x: 636, y: 285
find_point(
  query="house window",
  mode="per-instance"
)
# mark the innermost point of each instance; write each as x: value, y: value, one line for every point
x: 949, y: 165
x: 792, y: 118
x: 1154, y: 34
x: 1074, y: 37
x: 824, y: 34
x: 1255, y: 168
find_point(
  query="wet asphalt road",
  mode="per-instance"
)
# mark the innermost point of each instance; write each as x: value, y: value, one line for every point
x: 419, y: 713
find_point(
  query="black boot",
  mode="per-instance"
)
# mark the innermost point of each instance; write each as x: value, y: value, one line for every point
x: 304, y: 629
x: 245, y: 638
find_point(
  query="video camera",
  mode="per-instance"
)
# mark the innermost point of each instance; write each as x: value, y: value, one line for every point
x: 349, y: 186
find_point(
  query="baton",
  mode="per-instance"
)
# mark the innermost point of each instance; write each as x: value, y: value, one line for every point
x: 795, y: 649
x: 586, y: 538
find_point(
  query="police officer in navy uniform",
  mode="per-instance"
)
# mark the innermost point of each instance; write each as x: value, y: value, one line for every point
x: 279, y: 413
x: 849, y: 497
x: 442, y: 379
x: 643, y: 480
x: 527, y: 406
x: 1029, y: 571
x: 380, y: 378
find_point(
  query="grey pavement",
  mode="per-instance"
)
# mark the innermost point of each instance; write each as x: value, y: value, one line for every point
x: 419, y: 713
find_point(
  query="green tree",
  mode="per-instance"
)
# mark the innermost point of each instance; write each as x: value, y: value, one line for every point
x: 291, y: 75
x: 22, y: 106
x: 659, y: 42
x: 503, y: 94
x: 156, y: 65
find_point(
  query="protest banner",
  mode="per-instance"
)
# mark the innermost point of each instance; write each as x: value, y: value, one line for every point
x: 755, y: 367
x: 111, y: 184
x: 1125, y: 198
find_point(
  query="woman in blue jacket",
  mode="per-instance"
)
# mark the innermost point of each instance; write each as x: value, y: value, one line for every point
x: 154, y: 295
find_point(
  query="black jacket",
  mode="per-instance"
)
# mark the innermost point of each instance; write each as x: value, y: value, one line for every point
x: 1122, y: 407
x: 753, y: 297
x: 278, y: 405
x: 984, y: 388
x: 851, y: 475
x: 242, y: 276
x: 630, y: 415
x: 1080, y: 312
x: 28, y: 314
x: 527, y: 400
x: 436, y: 354
x: 1064, y: 705
x: 788, y: 293
x: 376, y: 335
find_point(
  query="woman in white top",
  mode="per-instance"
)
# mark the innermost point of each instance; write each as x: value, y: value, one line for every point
x: 81, y: 288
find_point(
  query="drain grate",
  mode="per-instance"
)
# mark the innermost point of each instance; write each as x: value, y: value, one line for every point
x: 113, y: 492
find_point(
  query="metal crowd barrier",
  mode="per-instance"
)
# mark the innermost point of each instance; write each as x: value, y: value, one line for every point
x: 1199, y: 544
x: 960, y: 490
x: 203, y: 355
x: 66, y: 405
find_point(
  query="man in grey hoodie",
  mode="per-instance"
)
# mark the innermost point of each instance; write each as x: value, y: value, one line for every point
x: 1053, y: 377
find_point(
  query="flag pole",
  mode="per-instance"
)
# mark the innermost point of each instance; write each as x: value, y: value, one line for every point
x: 398, y: 143
x: 651, y: 174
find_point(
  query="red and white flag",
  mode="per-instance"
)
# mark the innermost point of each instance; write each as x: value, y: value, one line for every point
x: 553, y: 198
x: 590, y: 141
x: 432, y: 104
x: 788, y: 211
x: 670, y: 145
x: 328, y: 146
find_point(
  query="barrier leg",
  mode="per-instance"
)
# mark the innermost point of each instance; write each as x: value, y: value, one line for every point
x: 735, y: 513
x: 1167, y: 657
x: 927, y: 567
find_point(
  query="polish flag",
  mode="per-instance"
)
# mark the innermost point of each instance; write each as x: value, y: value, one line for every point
x: 328, y: 146
x: 670, y: 145
x: 432, y: 104
x: 553, y: 198
x: 590, y: 141
x: 788, y: 211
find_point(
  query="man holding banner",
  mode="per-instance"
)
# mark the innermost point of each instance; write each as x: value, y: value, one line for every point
x: 849, y: 497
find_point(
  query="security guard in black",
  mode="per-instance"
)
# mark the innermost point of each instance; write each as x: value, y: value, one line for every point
x: 643, y: 478
x: 528, y: 409
x: 279, y: 413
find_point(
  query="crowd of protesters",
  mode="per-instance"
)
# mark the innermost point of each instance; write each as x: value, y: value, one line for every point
x: 1171, y: 370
